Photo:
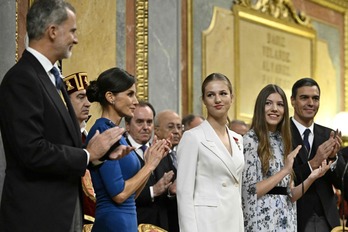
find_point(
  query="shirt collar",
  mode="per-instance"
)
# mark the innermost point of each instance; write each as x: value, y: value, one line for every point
x: 135, y: 144
x: 302, y: 128
x: 44, y: 61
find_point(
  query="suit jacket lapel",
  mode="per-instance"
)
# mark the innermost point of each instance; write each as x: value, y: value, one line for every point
x: 297, y: 140
x: 214, y: 144
x: 68, y: 116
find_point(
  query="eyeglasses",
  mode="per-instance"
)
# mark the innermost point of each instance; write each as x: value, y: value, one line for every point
x: 173, y: 127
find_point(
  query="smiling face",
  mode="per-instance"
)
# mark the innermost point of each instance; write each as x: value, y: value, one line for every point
x: 65, y: 36
x: 217, y: 98
x: 306, y: 104
x: 81, y: 104
x: 125, y: 102
x: 140, y: 126
x: 274, y: 111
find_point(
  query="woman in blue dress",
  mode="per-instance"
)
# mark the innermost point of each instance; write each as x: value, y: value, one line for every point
x: 268, y: 191
x: 118, y: 182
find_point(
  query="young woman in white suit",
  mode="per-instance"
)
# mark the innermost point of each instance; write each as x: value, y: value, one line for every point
x: 210, y: 165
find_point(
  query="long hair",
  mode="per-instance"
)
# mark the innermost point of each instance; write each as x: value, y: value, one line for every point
x: 215, y: 77
x: 261, y: 128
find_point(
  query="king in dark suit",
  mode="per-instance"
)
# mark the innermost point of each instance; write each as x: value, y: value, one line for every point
x: 316, y: 210
x: 41, y: 136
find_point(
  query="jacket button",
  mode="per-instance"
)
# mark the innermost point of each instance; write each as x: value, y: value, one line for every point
x: 224, y: 184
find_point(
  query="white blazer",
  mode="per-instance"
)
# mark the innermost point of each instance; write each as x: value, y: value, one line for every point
x: 209, y: 181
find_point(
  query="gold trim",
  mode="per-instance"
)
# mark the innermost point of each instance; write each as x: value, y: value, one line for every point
x: 283, y: 10
x: 346, y: 60
x: 141, y: 48
x: 190, y: 55
x: 340, y: 6
x: 337, y: 5
x: 243, y: 13
x: 17, y: 32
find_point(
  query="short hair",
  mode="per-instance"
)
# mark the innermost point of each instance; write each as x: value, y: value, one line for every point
x: 240, y: 122
x: 303, y: 82
x: 186, y: 121
x: 128, y: 119
x: 45, y: 12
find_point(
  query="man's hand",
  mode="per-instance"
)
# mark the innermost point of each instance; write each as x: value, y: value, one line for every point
x: 327, y: 149
x: 101, y: 143
x: 172, y: 188
x: 162, y: 185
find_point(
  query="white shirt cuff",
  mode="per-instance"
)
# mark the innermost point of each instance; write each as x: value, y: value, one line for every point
x: 151, y: 193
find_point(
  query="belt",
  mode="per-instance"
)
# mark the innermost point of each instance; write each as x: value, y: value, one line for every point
x: 278, y: 191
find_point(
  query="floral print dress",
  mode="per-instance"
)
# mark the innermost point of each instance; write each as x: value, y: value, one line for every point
x: 271, y: 213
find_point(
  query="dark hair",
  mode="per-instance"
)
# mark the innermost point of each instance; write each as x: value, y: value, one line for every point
x: 215, y: 77
x: 236, y: 121
x: 303, y: 82
x: 115, y: 80
x: 261, y: 128
x: 142, y: 104
x: 188, y: 119
x: 45, y: 12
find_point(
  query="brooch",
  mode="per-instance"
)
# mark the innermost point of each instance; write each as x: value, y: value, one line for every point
x: 237, y: 142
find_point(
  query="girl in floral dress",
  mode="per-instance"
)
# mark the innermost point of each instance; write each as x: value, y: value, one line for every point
x: 268, y: 191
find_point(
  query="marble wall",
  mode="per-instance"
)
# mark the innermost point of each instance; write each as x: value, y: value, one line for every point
x: 164, y: 54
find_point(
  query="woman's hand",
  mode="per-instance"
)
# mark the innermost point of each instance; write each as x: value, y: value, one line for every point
x: 121, y: 151
x: 155, y: 153
x: 289, y: 162
x: 321, y: 170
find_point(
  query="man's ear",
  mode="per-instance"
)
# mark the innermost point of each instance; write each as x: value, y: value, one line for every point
x: 52, y: 31
x: 292, y: 100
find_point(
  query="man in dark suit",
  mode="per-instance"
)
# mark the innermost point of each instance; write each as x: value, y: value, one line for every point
x: 316, y: 210
x: 168, y: 126
x: 151, y: 203
x: 41, y: 136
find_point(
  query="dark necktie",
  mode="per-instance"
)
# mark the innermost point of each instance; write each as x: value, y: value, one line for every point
x: 174, y: 160
x: 143, y: 148
x: 305, y: 139
x: 56, y: 75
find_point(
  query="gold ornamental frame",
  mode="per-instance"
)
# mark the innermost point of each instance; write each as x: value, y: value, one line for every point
x: 282, y: 22
x: 340, y: 6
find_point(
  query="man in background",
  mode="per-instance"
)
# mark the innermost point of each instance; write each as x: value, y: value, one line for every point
x: 238, y: 126
x: 168, y: 126
x: 190, y: 121
x: 151, y: 203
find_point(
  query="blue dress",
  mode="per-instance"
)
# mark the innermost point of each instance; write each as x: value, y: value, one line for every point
x: 108, y: 181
